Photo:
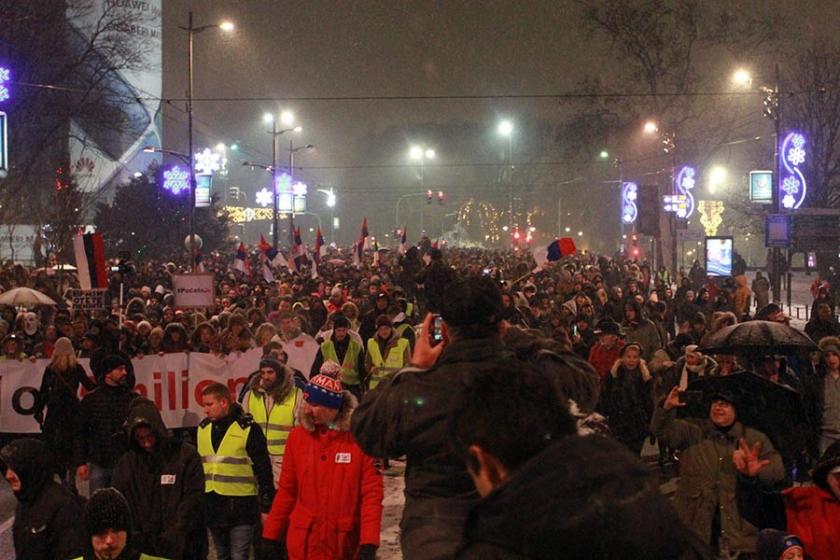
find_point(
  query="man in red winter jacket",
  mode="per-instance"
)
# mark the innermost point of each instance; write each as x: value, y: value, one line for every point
x: 328, y: 504
x: 607, y: 350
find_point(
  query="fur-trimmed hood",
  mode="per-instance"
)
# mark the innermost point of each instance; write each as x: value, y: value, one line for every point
x: 280, y: 390
x: 342, y: 421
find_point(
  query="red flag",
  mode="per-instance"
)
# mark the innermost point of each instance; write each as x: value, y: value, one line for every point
x: 319, y: 244
x: 264, y: 245
x: 567, y: 246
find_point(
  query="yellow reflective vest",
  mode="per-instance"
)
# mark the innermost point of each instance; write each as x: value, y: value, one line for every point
x: 393, y: 360
x: 143, y: 556
x: 277, y: 423
x: 349, y: 375
x: 228, y: 471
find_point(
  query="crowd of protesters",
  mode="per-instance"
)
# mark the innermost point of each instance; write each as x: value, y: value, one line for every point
x: 356, y: 369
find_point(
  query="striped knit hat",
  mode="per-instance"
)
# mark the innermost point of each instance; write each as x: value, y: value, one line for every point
x: 324, y: 390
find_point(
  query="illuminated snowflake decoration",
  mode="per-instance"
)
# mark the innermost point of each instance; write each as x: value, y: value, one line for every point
x: 790, y: 185
x: 5, y: 76
x: 299, y: 189
x: 793, y: 186
x: 264, y: 197
x: 629, y: 210
x: 176, y: 180
x: 788, y: 201
x: 685, y: 181
x: 207, y: 162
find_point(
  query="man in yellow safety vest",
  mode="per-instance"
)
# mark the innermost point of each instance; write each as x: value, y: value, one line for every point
x: 237, y: 472
x: 271, y: 400
x: 342, y: 349
x: 386, y: 353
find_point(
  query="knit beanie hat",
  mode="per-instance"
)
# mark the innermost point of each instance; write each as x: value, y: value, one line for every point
x: 269, y: 362
x: 772, y: 544
x: 324, y: 390
x: 830, y: 344
x: 112, y: 362
x: 107, y: 509
x: 340, y: 322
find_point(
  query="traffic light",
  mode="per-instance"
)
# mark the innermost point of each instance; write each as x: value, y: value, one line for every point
x: 62, y: 178
x: 647, y: 203
x: 440, y: 197
x: 429, y: 196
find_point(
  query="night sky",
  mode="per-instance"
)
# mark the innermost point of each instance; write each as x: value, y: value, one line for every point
x: 384, y: 48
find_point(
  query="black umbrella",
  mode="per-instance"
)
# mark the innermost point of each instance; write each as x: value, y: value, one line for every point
x: 774, y: 409
x: 754, y: 337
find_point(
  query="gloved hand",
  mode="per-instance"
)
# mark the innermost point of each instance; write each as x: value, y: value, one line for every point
x: 276, y: 550
x: 367, y: 552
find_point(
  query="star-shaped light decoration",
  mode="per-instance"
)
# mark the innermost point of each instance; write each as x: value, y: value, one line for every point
x: 264, y: 197
x: 176, y: 180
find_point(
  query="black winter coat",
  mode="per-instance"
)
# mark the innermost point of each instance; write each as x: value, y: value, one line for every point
x: 103, y: 413
x: 165, y: 490
x: 47, y: 518
x: 583, y: 497
x: 407, y: 415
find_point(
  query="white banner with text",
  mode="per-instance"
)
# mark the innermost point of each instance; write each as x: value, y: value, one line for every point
x: 173, y: 381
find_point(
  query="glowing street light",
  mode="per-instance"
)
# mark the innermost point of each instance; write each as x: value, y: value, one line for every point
x: 505, y: 128
x: 227, y: 26
x: 604, y: 154
x: 742, y: 78
x: 429, y: 154
x: 650, y: 127
x: 287, y: 118
x: 416, y: 152
x: 717, y: 178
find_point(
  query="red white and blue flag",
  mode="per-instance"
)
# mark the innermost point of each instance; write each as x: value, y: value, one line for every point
x: 555, y: 251
x: 320, y: 251
x: 239, y: 259
x: 90, y: 261
x: 404, y: 241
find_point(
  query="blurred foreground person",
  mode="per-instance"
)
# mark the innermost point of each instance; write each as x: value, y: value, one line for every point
x: 329, y: 499
x: 548, y: 493
x: 107, y: 521
x: 47, y: 515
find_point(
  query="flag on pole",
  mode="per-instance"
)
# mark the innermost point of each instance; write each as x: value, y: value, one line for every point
x: 376, y: 254
x: 556, y: 250
x: 357, y: 256
x: 239, y: 259
x: 364, y: 243
x: 300, y: 250
x: 90, y: 261
x: 404, y: 241
x: 264, y: 245
x: 319, y: 252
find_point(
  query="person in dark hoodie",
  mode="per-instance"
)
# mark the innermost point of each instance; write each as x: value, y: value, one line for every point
x: 546, y: 492
x: 46, y: 517
x: 163, y: 481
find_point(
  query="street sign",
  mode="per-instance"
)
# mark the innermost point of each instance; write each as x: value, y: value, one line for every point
x: 90, y: 300
x: 777, y: 231
x: 761, y: 187
x: 691, y: 235
x: 812, y: 232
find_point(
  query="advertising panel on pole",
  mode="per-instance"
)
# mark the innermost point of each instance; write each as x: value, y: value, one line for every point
x: 193, y: 290
x: 761, y: 187
x: 719, y: 256
x: 203, y: 190
x: 129, y: 92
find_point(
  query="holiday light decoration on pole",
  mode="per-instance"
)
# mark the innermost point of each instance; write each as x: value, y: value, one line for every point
x: 792, y: 187
x: 629, y: 210
x: 5, y: 76
x: 176, y: 179
x: 684, y: 183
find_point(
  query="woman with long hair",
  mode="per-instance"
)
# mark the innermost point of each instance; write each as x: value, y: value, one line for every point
x: 59, y: 396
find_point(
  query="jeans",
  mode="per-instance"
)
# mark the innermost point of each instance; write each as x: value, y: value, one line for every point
x: 232, y: 543
x: 99, y: 477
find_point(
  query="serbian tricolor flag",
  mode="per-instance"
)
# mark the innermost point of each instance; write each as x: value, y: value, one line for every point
x: 271, y: 254
x: 319, y: 252
x: 239, y: 259
x: 90, y: 261
x: 376, y: 254
x: 363, y: 242
x: 556, y: 250
x: 404, y: 242
x: 299, y: 250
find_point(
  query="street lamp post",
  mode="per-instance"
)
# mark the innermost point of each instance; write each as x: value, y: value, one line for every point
x: 191, y: 30
x: 421, y: 154
x: 286, y: 119
x: 505, y: 128
x: 292, y: 152
x: 331, y: 201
